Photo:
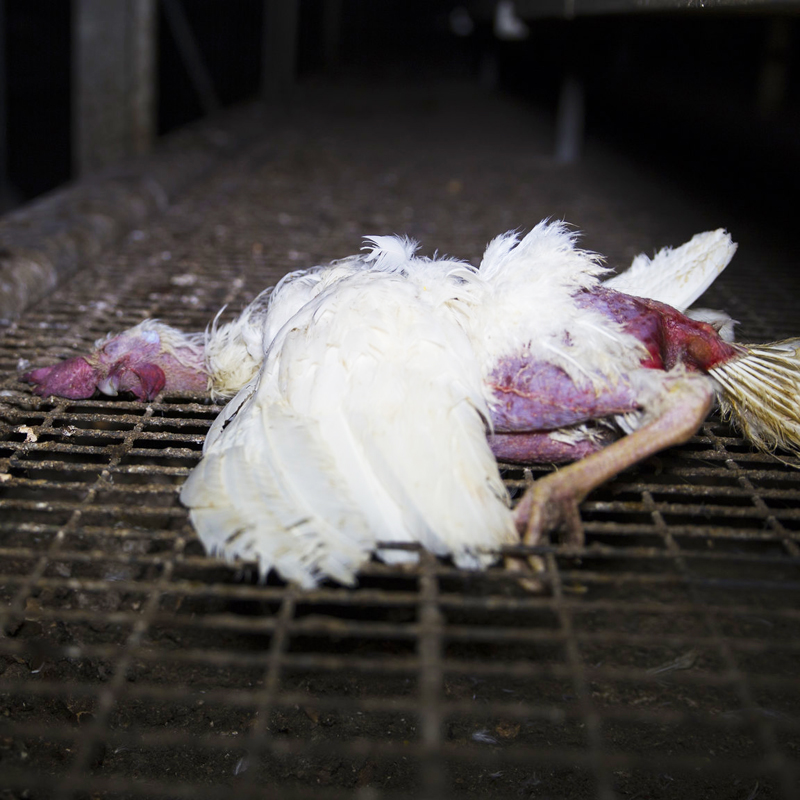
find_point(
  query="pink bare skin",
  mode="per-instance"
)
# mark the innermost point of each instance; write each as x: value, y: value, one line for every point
x: 532, y: 399
x: 143, y: 361
x: 536, y: 399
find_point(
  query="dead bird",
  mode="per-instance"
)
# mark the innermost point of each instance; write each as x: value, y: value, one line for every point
x: 373, y: 395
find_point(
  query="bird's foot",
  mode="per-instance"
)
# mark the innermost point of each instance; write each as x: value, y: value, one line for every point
x: 527, y: 571
x: 549, y: 506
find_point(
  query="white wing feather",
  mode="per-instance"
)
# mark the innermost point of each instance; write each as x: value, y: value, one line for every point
x: 266, y: 491
x: 677, y: 276
x: 365, y: 425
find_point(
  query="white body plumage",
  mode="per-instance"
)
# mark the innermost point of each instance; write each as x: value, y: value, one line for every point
x: 362, y: 408
x: 373, y: 394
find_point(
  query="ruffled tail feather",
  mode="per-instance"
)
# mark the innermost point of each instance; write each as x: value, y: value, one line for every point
x: 760, y: 391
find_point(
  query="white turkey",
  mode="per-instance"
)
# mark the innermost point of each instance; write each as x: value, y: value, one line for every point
x: 374, y: 394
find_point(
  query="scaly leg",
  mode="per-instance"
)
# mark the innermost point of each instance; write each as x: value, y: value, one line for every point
x: 551, y: 504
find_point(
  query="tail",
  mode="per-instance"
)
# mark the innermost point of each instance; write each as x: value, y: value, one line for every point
x: 761, y: 393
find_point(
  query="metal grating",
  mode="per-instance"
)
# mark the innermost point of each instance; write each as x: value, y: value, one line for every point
x: 661, y: 661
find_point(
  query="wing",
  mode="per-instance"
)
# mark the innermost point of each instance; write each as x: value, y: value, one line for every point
x: 234, y: 351
x: 266, y: 491
x: 364, y: 426
x: 678, y: 277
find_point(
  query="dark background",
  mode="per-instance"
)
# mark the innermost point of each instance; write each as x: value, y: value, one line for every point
x: 682, y: 93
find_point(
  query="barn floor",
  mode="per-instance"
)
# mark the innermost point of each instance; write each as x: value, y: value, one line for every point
x: 661, y: 661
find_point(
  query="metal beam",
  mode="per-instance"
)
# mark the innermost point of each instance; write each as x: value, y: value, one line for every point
x: 568, y: 9
x: 5, y: 187
x: 113, y: 72
x: 186, y: 42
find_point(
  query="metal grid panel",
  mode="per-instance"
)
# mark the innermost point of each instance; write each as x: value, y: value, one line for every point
x: 661, y: 660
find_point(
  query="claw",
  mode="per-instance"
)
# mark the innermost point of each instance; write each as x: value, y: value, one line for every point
x: 549, y: 506
x: 528, y: 572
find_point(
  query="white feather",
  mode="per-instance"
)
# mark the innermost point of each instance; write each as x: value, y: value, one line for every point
x: 362, y: 411
x: 760, y: 390
x: 366, y: 424
x: 722, y: 323
x: 234, y: 351
x: 677, y: 276
x: 267, y: 491
x: 528, y: 307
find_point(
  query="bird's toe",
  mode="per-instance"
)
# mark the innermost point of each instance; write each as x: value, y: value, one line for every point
x: 549, y: 506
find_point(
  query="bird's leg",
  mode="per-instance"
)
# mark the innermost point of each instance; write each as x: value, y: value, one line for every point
x: 551, y: 504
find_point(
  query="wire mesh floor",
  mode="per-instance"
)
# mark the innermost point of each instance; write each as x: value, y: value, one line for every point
x: 660, y: 661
